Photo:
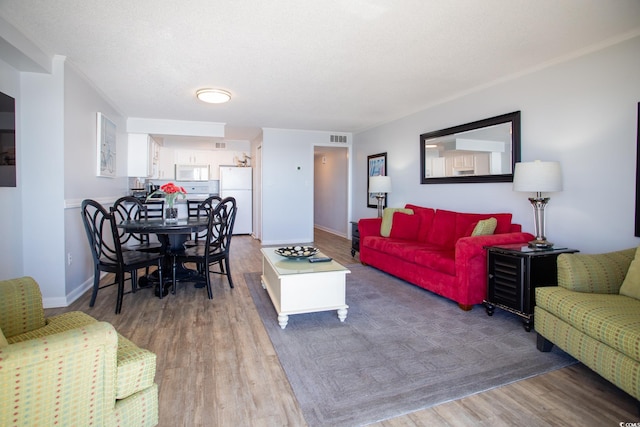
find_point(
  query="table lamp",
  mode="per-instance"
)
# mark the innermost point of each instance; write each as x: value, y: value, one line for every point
x: 380, y: 185
x: 538, y: 177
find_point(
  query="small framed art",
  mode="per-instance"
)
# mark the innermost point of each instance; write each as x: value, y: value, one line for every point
x: 376, y: 165
x: 106, y: 147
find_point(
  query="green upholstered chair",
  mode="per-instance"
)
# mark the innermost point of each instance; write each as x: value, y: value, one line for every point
x: 69, y: 369
x: 588, y: 317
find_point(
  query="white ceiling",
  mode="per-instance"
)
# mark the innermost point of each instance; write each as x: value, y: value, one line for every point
x: 335, y: 65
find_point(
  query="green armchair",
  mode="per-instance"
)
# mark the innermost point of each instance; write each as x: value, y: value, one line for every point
x: 69, y: 369
x: 586, y: 316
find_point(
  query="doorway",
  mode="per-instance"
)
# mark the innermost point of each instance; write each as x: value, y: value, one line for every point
x: 331, y: 189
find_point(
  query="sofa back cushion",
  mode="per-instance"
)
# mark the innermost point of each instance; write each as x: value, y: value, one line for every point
x: 405, y: 226
x: 595, y: 273
x: 449, y: 226
x: 426, y: 216
x: 387, y: 219
x: 466, y: 222
x: 443, y: 229
x: 21, y: 308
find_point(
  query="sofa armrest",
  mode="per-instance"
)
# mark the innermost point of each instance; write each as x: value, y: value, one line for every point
x: 21, y: 308
x: 369, y: 227
x: 471, y: 262
x: 70, y: 376
x: 595, y: 273
x: 468, y: 248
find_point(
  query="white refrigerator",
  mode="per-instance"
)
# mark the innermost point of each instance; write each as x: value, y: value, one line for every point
x: 237, y: 182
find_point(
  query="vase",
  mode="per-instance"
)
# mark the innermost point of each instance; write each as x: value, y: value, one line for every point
x: 171, y: 214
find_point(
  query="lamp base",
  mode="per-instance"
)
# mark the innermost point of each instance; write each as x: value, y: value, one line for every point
x: 380, y: 197
x: 540, y: 244
x: 539, y: 203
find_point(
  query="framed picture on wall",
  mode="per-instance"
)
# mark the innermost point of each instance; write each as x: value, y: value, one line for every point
x: 376, y: 165
x: 106, y: 147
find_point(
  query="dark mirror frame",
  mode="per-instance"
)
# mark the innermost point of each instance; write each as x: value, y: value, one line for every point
x: 513, y: 118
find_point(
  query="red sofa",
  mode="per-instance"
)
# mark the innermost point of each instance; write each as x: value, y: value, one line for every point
x: 434, y: 249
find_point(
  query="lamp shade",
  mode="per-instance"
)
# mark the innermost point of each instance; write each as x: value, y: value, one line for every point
x: 537, y: 177
x: 379, y: 184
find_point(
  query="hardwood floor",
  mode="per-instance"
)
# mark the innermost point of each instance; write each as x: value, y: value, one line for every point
x: 216, y: 365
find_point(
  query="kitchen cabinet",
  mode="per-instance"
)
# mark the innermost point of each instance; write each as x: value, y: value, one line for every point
x: 192, y: 157
x: 221, y: 158
x: 142, y: 155
x: 460, y: 163
x: 166, y: 163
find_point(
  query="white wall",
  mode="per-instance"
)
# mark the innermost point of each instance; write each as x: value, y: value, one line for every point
x: 42, y: 178
x: 11, y: 197
x: 81, y: 105
x: 581, y: 112
x: 287, y: 184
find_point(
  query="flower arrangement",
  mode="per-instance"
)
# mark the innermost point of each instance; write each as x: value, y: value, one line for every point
x: 171, y: 193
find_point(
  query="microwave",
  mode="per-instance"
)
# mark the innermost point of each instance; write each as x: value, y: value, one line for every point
x: 192, y: 172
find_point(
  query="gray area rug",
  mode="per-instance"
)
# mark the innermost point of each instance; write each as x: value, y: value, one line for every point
x: 400, y: 349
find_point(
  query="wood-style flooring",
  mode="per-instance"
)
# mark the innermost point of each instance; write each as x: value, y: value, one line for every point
x: 216, y: 365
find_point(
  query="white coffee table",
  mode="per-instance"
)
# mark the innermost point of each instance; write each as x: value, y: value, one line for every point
x: 298, y: 286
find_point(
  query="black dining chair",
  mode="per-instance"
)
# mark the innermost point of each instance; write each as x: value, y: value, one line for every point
x: 215, y: 249
x: 155, y: 208
x: 108, y: 256
x: 131, y: 208
x: 197, y: 209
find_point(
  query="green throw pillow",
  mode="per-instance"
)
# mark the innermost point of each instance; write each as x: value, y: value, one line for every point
x: 631, y: 285
x: 3, y: 340
x: 387, y: 219
x: 485, y: 227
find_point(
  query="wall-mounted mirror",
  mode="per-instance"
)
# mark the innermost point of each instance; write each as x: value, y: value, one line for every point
x: 481, y: 151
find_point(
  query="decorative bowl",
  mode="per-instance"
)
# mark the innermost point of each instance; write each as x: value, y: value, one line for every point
x: 297, y: 251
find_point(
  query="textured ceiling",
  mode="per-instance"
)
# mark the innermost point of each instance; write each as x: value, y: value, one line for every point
x: 326, y: 65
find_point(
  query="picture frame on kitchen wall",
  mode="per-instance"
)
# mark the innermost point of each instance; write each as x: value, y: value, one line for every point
x: 376, y: 165
x: 106, y: 147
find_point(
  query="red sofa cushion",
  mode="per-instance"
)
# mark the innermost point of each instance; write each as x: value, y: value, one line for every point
x: 426, y: 220
x: 439, y: 260
x: 443, y: 229
x: 405, y: 226
x: 465, y: 222
x: 402, y: 249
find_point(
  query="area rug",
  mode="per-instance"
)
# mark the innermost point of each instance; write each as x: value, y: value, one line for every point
x: 401, y: 349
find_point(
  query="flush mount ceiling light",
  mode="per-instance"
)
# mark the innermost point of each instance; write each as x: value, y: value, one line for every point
x: 213, y: 96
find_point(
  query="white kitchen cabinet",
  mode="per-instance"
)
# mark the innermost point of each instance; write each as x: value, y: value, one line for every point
x: 142, y: 155
x: 221, y: 158
x: 166, y: 163
x: 192, y: 157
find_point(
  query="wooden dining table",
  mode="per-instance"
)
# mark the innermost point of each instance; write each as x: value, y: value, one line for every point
x: 172, y: 235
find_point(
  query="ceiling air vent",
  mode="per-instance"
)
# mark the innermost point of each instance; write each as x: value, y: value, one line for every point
x: 221, y: 145
x: 339, y: 138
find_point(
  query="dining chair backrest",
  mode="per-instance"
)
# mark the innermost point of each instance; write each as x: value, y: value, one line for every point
x: 200, y: 209
x: 129, y: 208
x: 99, y: 225
x: 220, y: 227
x: 155, y: 208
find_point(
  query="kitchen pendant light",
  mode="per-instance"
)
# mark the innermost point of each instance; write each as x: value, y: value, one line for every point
x: 213, y: 96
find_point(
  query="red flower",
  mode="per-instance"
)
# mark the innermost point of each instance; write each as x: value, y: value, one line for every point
x: 171, y: 192
x: 171, y: 188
